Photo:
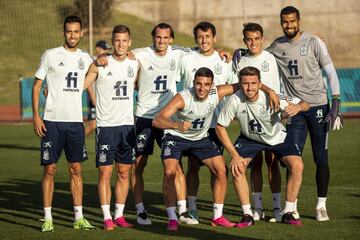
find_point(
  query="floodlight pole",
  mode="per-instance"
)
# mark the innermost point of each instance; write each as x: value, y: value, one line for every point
x: 90, y: 28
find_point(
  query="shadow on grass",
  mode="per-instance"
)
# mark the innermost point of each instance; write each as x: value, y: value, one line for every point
x: 18, y: 147
x: 21, y: 204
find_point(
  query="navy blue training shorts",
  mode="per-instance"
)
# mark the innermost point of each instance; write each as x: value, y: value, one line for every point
x: 69, y: 136
x: 115, y: 143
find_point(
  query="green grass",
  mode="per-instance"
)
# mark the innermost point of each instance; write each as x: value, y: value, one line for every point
x: 20, y: 196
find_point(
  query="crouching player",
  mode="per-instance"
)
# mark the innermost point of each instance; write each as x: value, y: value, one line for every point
x: 260, y: 130
x: 193, y: 108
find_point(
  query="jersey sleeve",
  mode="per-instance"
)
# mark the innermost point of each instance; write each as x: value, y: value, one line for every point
x: 182, y: 71
x: 321, y: 52
x: 232, y: 75
x: 44, y: 66
x: 284, y: 103
x: 228, y: 112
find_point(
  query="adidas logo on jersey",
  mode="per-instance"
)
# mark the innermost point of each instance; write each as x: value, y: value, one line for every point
x: 61, y: 64
x: 194, y: 70
x: 150, y: 68
x: 284, y: 53
x: 109, y: 74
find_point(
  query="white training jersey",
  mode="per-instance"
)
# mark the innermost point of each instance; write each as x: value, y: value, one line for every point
x: 114, y: 93
x: 256, y: 120
x: 223, y: 73
x: 190, y: 63
x: 157, y: 79
x: 64, y: 72
x: 199, y: 113
x: 267, y: 65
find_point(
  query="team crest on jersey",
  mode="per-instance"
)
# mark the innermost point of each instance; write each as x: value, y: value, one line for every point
x: 218, y: 69
x: 210, y: 108
x: 140, y: 145
x: 303, y: 51
x: 167, y: 151
x: 46, y: 155
x: 130, y: 72
x: 263, y: 112
x: 102, y: 157
x: 265, y: 67
x: 172, y: 65
x: 81, y: 64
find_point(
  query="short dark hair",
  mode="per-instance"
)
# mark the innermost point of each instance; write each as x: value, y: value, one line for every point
x: 204, y: 72
x: 204, y: 26
x: 72, y: 19
x: 120, y: 29
x: 163, y: 26
x: 252, y: 27
x: 249, y: 71
x: 289, y: 10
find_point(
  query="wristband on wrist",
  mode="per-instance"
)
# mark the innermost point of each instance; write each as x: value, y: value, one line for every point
x: 336, y: 97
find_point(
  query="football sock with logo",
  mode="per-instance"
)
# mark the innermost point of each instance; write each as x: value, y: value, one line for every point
x: 181, y: 206
x: 218, y: 210
x: 257, y: 198
x: 78, y: 212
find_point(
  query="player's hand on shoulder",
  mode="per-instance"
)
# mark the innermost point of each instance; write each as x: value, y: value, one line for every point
x: 101, y: 60
x: 130, y: 55
x: 184, y: 126
x: 224, y: 55
x: 274, y: 101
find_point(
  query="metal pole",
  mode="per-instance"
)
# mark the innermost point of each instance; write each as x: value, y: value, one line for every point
x: 244, y: 11
x: 90, y: 28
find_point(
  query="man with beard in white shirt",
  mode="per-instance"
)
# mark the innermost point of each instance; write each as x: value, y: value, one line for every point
x: 64, y: 70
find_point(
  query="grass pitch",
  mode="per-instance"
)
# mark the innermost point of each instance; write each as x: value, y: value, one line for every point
x: 21, y: 207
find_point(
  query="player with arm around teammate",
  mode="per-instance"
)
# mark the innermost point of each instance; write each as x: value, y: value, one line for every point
x: 205, y: 56
x: 64, y: 69
x: 260, y: 130
x: 255, y: 56
x: 115, y: 132
x: 194, y: 108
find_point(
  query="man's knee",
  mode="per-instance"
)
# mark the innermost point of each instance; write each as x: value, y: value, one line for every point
x: 295, y: 165
x: 50, y: 170
x: 140, y: 164
x: 75, y: 169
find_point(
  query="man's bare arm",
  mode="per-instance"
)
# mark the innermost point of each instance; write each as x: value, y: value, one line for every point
x: 163, y: 118
x: 39, y: 126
